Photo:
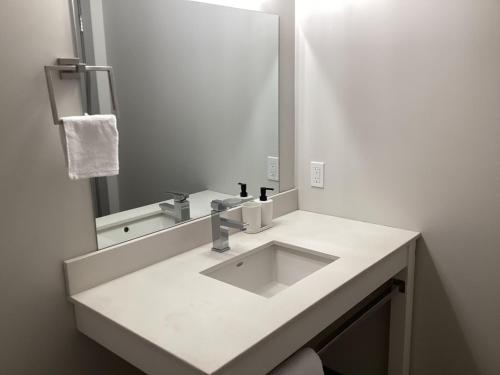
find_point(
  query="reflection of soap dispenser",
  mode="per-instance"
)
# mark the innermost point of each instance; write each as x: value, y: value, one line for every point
x: 243, y: 193
x: 267, y: 207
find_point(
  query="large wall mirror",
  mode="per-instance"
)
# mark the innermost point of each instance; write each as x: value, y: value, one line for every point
x: 197, y: 89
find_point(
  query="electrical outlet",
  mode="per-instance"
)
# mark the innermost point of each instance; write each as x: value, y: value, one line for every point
x: 317, y: 174
x: 273, y: 168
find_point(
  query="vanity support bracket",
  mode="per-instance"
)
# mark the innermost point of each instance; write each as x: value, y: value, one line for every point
x: 400, y: 330
x: 400, y: 284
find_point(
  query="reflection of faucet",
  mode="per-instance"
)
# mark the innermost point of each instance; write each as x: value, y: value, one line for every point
x: 221, y: 225
x: 180, y: 210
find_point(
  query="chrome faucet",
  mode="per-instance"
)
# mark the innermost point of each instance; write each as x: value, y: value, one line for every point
x: 180, y: 210
x: 221, y: 225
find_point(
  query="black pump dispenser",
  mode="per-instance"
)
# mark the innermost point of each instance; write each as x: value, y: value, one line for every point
x: 243, y: 192
x: 263, y: 195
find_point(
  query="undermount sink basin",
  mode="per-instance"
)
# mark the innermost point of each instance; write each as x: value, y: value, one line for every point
x: 269, y: 269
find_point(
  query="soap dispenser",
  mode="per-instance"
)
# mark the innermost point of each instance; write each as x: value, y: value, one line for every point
x: 266, y: 206
x: 243, y: 193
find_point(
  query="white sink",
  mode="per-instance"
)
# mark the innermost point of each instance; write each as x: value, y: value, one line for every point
x: 269, y: 269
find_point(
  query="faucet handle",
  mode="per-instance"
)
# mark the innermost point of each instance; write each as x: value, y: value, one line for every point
x: 229, y: 223
x: 178, y: 196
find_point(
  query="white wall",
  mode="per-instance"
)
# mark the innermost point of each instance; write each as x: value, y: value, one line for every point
x: 401, y: 100
x: 45, y: 218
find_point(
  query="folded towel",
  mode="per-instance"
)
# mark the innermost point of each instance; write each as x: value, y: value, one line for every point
x: 91, y: 146
x: 304, y: 362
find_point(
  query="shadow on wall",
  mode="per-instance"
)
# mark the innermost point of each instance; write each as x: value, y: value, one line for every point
x: 110, y: 363
x: 442, y: 351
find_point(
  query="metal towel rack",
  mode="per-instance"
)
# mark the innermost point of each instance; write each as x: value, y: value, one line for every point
x: 71, y: 68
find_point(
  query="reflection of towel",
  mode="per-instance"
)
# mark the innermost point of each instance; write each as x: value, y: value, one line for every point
x: 304, y: 362
x: 91, y: 146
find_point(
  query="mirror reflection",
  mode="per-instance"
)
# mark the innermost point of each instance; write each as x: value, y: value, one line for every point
x: 197, y: 89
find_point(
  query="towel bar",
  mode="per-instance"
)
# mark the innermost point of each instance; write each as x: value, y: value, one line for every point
x: 71, y: 68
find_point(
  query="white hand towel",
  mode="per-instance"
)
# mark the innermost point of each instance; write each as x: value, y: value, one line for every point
x: 91, y: 146
x: 304, y: 362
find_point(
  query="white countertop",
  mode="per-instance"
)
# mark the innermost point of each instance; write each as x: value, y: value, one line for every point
x: 208, y: 323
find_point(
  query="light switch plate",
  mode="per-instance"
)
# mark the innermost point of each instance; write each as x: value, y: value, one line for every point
x: 273, y: 168
x: 317, y: 174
